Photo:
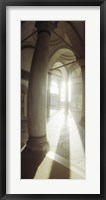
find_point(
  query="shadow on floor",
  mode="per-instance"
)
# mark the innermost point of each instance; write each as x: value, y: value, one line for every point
x: 58, y: 171
x: 30, y: 162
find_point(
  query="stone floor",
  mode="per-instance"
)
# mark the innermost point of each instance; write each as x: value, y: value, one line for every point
x: 67, y: 146
x: 66, y: 158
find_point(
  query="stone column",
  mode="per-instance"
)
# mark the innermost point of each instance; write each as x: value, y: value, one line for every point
x: 59, y: 88
x: 37, y: 145
x: 82, y: 121
x: 37, y: 91
x: 66, y: 92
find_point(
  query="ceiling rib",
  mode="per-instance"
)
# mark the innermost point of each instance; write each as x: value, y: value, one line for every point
x: 76, y: 53
x: 28, y: 36
x: 64, y: 65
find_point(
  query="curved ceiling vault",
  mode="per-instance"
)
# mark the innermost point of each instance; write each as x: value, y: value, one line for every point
x: 66, y: 43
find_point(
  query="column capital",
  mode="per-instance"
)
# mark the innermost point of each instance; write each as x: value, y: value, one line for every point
x: 45, y: 26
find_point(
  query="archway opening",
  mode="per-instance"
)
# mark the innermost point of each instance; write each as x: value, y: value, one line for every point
x: 63, y: 129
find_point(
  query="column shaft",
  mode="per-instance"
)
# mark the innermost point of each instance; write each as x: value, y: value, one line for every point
x: 66, y: 95
x: 37, y: 95
x: 37, y: 87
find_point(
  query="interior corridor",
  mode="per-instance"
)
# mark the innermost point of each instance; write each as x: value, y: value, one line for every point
x: 53, y: 100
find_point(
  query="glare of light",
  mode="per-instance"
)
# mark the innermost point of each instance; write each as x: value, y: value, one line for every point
x: 69, y: 91
x: 54, y: 127
x: 63, y: 91
x: 54, y: 88
x: 44, y: 169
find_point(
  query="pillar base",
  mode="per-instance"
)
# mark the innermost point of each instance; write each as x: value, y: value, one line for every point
x: 82, y: 121
x: 38, y: 144
x: 32, y: 156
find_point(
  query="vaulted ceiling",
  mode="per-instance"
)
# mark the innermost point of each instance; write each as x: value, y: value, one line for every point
x: 67, y: 44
